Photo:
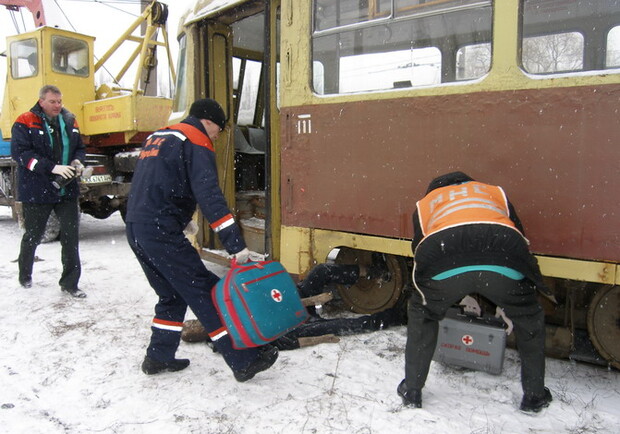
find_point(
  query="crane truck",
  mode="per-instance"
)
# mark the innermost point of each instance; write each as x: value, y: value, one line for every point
x: 113, y: 120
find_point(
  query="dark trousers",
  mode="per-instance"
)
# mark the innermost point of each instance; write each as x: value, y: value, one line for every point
x: 325, y: 274
x: 35, y: 220
x: 518, y: 298
x: 176, y: 272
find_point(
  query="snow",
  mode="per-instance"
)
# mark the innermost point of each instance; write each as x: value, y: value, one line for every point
x: 73, y: 366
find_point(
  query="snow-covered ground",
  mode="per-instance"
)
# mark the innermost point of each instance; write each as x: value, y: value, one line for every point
x: 73, y: 366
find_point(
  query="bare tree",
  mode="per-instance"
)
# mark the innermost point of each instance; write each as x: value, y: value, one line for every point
x: 553, y: 53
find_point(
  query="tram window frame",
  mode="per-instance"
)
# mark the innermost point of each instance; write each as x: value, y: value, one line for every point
x: 22, y: 55
x: 446, y: 27
x: 248, y: 96
x: 591, y: 20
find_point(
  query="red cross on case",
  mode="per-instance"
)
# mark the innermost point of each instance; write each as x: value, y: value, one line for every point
x: 276, y: 295
x: 467, y: 340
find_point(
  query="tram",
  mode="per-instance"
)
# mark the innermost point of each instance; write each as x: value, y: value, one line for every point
x: 342, y: 111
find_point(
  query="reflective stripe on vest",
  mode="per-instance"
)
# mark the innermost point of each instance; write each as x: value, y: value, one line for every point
x: 468, y: 203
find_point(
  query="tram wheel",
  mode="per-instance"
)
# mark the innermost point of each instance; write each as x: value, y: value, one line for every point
x: 604, y: 323
x: 373, y: 295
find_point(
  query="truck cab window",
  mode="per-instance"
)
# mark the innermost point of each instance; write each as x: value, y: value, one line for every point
x: 24, y: 58
x: 70, y: 56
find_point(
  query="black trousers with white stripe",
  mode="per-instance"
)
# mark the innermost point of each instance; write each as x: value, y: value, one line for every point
x: 180, y: 279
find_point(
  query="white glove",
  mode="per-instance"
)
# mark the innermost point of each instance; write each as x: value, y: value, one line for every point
x: 78, y: 166
x: 191, y: 229
x: 470, y: 305
x: 87, y: 172
x: 66, y: 172
x: 499, y: 313
x: 243, y: 256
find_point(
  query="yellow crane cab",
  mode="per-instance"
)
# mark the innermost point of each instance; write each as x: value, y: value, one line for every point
x: 43, y: 56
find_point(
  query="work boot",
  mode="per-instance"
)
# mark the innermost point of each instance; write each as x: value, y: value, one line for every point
x: 266, y: 357
x: 411, y: 397
x: 74, y: 292
x: 151, y: 367
x: 535, y: 403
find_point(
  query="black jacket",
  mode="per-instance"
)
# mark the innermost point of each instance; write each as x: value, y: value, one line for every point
x: 177, y: 170
x: 32, y: 150
x: 473, y: 244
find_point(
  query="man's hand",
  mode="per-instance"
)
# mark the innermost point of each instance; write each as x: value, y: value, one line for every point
x: 78, y: 166
x: 243, y: 256
x: 66, y: 172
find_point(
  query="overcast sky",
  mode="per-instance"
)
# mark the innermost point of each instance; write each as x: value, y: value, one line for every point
x: 105, y: 20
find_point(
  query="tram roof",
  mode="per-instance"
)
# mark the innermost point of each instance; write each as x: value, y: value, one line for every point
x: 210, y: 9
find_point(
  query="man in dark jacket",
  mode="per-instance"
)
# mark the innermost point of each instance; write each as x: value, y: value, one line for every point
x: 48, y: 149
x: 176, y: 170
x: 468, y: 239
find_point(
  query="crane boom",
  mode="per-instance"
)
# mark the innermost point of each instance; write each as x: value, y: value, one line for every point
x: 34, y: 6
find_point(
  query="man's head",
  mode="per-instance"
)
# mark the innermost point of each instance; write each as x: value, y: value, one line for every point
x: 212, y: 115
x: 451, y: 178
x: 50, y: 100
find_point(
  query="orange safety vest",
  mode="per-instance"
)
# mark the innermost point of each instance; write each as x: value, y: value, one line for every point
x: 469, y: 203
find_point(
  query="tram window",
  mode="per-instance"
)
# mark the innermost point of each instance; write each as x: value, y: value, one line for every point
x: 180, y: 88
x: 568, y: 35
x: 329, y: 13
x: 414, y: 44
x: 613, y: 48
x: 547, y: 54
x: 407, y: 68
x: 24, y: 58
x: 473, y: 61
x: 70, y: 56
x: 250, y: 88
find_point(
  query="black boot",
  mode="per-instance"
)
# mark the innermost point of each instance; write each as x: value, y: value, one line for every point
x: 74, y: 292
x: 151, y: 367
x: 411, y: 397
x: 535, y: 403
x: 266, y: 357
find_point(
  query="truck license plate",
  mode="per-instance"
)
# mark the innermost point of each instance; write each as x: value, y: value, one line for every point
x: 98, y: 179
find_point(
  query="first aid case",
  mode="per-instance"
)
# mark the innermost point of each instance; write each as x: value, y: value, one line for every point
x: 257, y: 303
x: 471, y: 342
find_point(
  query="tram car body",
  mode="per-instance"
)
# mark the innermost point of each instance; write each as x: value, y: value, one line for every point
x: 361, y: 104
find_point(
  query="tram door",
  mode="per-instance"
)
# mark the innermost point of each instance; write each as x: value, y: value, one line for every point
x: 214, y: 66
x: 241, y: 64
x: 218, y: 73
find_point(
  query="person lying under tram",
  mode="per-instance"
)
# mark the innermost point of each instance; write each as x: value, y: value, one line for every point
x: 318, y: 329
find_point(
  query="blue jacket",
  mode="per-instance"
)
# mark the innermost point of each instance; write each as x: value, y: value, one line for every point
x: 31, y: 148
x: 175, y: 171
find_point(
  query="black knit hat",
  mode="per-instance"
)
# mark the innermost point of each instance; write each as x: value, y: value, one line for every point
x: 452, y: 178
x: 208, y: 108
